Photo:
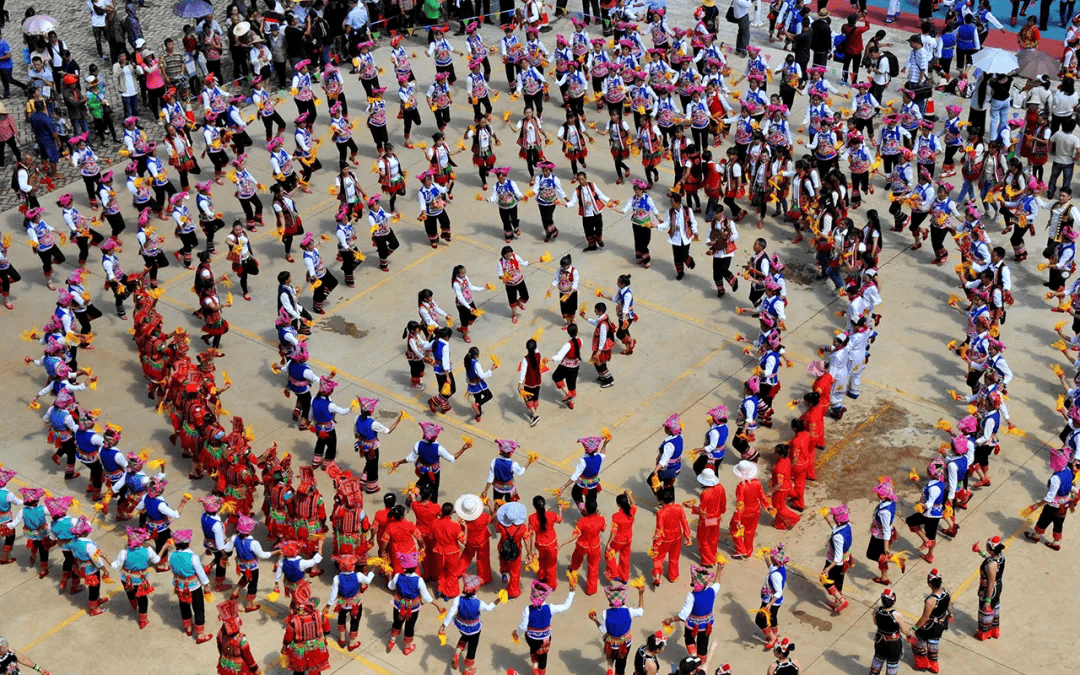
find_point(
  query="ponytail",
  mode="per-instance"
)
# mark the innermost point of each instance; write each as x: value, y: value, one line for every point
x: 540, y: 504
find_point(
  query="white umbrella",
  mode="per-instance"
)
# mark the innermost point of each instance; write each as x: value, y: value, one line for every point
x: 39, y: 24
x: 995, y: 61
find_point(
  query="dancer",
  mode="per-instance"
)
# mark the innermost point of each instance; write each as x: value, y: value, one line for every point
x: 587, y: 532
x: 427, y: 455
x: 464, y: 612
x: 615, y: 624
x: 697, y: 610
x: 888, y: 647
x: 303, y: 646
x: 744, y: 521
x: 410, y: 594
x: 883, y: 531
x: 838, y: 559
x: 672, y: 531
x: 234, y: 653
x: 536, y: 622
x: 134, y: 561
x: 932, y: 623
x: 991, y: 574
x: 188, y: 577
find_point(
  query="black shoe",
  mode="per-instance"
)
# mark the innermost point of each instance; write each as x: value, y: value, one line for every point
x: 609, y: 383
x: 600, y: 243
x: 679, y: 276
x: 592, y: 247
x: 719, y: 292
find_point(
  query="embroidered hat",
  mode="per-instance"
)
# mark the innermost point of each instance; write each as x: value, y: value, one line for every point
x: 591, y: 443
x: 58, y: 506
x: 290, y: 549
x: 700, y: 577
x: 347, y: 562
x: 182, y: 536
x: 777, y: 554
x: 82, y: 527
x: 840, y: 513
x: 245, y: 525
x: 211, y: 503
x: 968, y: 424
x: 1059, y: 459
x: 409, y: 560
x: 31, y: 494
x: 6, y: 475
x: 430, y: 430
x: 884, y: 488
x: 538, y: 593
x: 672, y: 424
x: 616, y: 594
x: 506, y: 447
x: 367, y: 405
x: 470, y: 583
x: 718, y: 413
x: 136, y: 536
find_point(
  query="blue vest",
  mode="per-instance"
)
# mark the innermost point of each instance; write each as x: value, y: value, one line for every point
x: 61, y: 528
x: 427, y: 453
x: 767, y: 590
x: 936, y: 508
x: 439, y: 349
x: 81, y: 550
x: 703, y: 602
x: 503, y: 470
x: 539, y: 618
x: 137, y: 559
x: 320, y: 410
x: 1066, y: 478
x: 292, y: 571
x: 721, y: 442
x: 83, y: 439
x: 961, y: 464
x: 50, y: 363
x: 182, y: 563
x: 58, y: 420
x: 243, y: 549
x: 153, y: 509
x: 948, y: 44
x: 208, y: 522
x: 617, y: 621
x: 109, y: 457
x: 34, y: 518
x: 408, y: 586
x: 348, y: 585
x: 675, y: 463
x: 994, y: 417
x: 136, y: 483
x: 5, y: 506
x: 365, y: 428
x: 965, y: 37
x: 592, y: 466
x: 298, y: 384
x: 467, y: 619
x: 888, y: 507
x: 845, y: 532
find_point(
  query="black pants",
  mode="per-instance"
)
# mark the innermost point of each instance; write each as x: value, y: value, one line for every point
x: 480, y: 398
x: 353, y: 619
x: 306, y: 107
x: 303, y: 405
x: 329, y: 283
x: 534, y: 652
x: 410, y: 117
x: 268, y: 123
x: 50, y: 256
x: 326, y: 445
x: 699, y: 638
x: 142, y: 603
x: 349, y: 262
x: 253, y: 208
x: 510, y: 223
x: 536, y: 102
x: 409, y: 623
x: 219, y: 159
x: 594, y: 229
x: 442, y: 117
x: 721, y: 271
x: 7, y: 277
x: 963, y: 57
x: 569, y: 375
x: 1051, y: 514
x: 434, y: 225
x: 349, y: 146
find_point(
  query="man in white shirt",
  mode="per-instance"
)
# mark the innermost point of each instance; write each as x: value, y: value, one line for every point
x: 741, y: 10
x: 879, y: 67
x: 127, y: 84
x: 1064, y: 151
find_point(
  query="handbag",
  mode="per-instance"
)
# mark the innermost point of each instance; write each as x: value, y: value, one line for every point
x: 730, y: 15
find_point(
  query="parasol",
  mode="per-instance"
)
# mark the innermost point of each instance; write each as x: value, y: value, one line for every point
x: 995, y: 61
x: 1035, y: 63
x: 193, y: 9
x: 39, y: 24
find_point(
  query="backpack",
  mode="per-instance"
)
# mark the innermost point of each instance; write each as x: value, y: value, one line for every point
x: 509, y: 549
x: 894, y: 63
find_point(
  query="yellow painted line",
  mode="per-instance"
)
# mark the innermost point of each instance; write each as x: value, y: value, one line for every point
x: 825, y: 456
x: 387, y: 278
x: 60, y: 626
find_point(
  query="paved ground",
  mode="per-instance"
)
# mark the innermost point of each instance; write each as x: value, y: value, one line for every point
x: 687, y: 361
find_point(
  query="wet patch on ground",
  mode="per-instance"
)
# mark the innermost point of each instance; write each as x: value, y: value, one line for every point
x: 802, y: 273
x: 819, y: 624
x: 384, y: 414
x: 882, y: 443
x: 339, y: 325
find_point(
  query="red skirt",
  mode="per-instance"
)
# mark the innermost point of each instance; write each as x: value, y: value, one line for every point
x: 484, y: 162
x: 307, y: 656
x: 602, y: 357
x: 219, y: 328
x: 539, y: 152
x: 576, y: 155
x: 620, y: 153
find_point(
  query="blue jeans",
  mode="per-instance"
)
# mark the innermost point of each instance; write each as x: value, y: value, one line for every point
x: 999, y: 115
x: 966, y: 190
x: 131, y: 106
x: 1063, y: 170
x: 79, y: 127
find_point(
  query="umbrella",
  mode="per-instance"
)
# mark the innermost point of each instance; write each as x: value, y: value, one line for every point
x: 1035, y: 63
x: 39, y: 24
x: 995, y: 61
x: 193, y: 9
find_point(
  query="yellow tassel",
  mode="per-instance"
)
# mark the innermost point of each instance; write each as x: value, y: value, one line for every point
x: 407, y: 416
x: 272, y: 596
x: 467, y: 440
x: 943, y: 425
x: 546, y: 257
x: 638, y: 582
x: 572, y: 576
x: 1059, y: 345
x: 479, y: 197
x: 606, y: 434
x: 479, y: 312
x: 445, y: 391
x: 495, y: 361
x: 503, y: 596
x: 228, y: 298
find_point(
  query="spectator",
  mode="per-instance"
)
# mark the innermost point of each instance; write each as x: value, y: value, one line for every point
x: 980, y: 101
x: 1000, y: 104
x: 278, y: 54
x: 35, y: 95
x: 741, y: 11
x: 853, y: 45
x: 45, y: 135
x: 99, y: 23
x: 126, y: 86
x: 98, y: 105
x: 155, y: 83
x: 210, y: 41
x: 172, y: 64
x: 917, y: 69
x: 294, y: 41
x: 8, y: 134
x: 356, y: 22
x: 320, y: 39
x: 6, y: 67
x: 237, y: 48
x: 1065, y: 152
x: 70, y: 65
x: 261, y: 59
x: 878, y: 65
x: 1029, y: 36
x: 41, y: 77
x: 1038, y: 93
x: 63, y: 129
x: 55, y: 49
x: 821, y: 43
x: 75, y: 102
x: 967, y: 42
x: 1063, y: 103
x: 801, y: 47
x: 132, y: 26
x: 117, y: 33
